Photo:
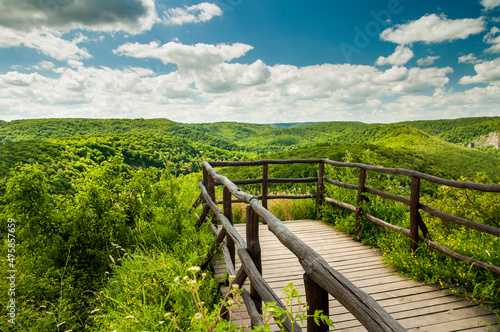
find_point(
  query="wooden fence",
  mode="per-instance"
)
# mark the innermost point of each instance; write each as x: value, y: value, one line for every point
x: 320, y: 278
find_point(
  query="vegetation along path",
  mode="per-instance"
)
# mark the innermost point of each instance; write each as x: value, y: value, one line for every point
x: 417, y: 307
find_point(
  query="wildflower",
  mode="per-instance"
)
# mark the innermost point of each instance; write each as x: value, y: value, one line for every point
x: 197, y: 316
x: 194, y: 268
x: 94, y: 311
x: 176, y: 279
x: 167, y: 315
x: 185, y: 278
x: 112, y: 259
x: 60, y: 324
x: 129, y: 317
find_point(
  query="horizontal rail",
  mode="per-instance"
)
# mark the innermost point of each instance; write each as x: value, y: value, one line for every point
x: 305, y: 196
x: 432, y: 211
x: 272, y: 180
x: 432, y: 244
x: 396, y: 171
x: 264, y: 162
x: 361, y: 305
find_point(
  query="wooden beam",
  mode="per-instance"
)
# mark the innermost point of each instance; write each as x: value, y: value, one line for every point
x: 317, y: 299
x: 253, y: 244
x: 359, y: 202
x: 265, y: 175
x: 319, y: 189
x: 414, y: 205
x: 228, y: 212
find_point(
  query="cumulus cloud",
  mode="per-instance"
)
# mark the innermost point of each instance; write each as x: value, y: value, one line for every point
x: 428, y: 61
x: 490, y: 4
x: 433, y: 29
x: 44, y: 65
x: 193, y: 14
x: 223, y: 90
x: 469, y: 58
x: 186, y: 57
x: 493, y: 37
x: 131, y: 16
x: 486, y: 72
x: 47, y: 42
x: 40, y: 24
x: 401, y: 56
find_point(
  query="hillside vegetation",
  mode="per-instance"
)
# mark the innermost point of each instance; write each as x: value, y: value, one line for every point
x: 102, y: 209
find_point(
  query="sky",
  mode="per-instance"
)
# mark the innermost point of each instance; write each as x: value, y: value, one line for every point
x: 374, y: 61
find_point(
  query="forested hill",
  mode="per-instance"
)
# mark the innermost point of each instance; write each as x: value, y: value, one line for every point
x: 22, y: 130
x: 78, y: 143
x: 462, y: 131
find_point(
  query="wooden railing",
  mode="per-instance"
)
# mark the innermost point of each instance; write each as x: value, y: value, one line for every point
x: 319, y: 277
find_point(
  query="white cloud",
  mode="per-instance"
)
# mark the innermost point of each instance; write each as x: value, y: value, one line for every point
x: 41, y: 24
x: 433, y: 29
x: 208, y: 85
x: 492, y: 38
x: 490, y: 4
x: 80, y: 38
x: 75, y: 63
x: 443, y: 105
x: 47, y: 42
x: 44, y: 65
x: 401, y: 56
x: 193, y: 14
x: 469, y: 58
x: 428, y: 61
x: 487, y: 72
x: 186, y: 57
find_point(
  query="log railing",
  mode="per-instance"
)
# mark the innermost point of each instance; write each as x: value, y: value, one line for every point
x: 318, y: 274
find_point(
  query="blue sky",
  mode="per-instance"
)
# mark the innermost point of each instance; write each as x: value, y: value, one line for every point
x: 250, y: 60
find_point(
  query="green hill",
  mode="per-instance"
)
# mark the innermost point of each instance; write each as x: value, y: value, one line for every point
x: 420, y: 145
x: 64, y: 157
x: 461, y: 131
x: 22, y: 130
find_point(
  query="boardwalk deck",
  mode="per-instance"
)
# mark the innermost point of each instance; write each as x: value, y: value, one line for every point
x: 416, y: 306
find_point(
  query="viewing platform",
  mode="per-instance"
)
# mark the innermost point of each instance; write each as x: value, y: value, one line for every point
x: 333, y: 272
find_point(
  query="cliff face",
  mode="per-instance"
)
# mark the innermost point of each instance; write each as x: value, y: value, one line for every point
x: 493, y: 139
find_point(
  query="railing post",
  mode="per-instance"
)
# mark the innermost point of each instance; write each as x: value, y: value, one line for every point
x: 414, y: 214
x: 210, y: 185
x: 317, y: 299
x: 205, y: 176
x: 228, y: 212
x: 265, y: 175
x: 359, y: 201
x: 253, y: 245
x: 319, y: 189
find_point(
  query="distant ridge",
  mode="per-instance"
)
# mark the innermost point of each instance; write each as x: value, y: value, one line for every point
x: 287, y: 125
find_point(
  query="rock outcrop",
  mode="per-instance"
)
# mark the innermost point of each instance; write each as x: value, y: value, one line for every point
x: 493, y: 139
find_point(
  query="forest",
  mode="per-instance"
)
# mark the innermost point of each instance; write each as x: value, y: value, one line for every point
x: 97, y: 219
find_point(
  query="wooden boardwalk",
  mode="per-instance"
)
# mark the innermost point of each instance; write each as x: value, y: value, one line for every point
x: 416, y: 306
